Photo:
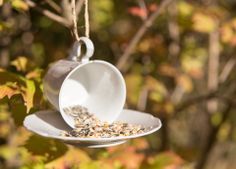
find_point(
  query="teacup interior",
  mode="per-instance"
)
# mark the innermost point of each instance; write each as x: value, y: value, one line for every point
x: 97, y: 85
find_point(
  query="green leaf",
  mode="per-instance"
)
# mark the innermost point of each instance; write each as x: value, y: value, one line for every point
x: 18, y: 109
x: 48, y: 148
x: 103, y: 10
x: 6, y: 76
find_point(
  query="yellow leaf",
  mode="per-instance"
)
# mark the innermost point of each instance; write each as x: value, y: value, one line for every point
x: 185, y: 8
x: 227, y: 33
x: 193, y: 62
x: 20, y: 5
x: 20, y: 63
x: 134, y: 84
x: 155, y: 85
x: 28, y: 94
x: 185, y: 82
x: 5, y: 129
x: 169, y: 108
x: 145, y: 45
x: 203, y: 23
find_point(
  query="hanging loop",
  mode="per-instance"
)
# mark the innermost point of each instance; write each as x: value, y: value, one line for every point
x: 76, y: 54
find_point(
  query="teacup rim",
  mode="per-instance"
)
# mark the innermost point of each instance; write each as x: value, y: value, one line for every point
x: 80, y: 65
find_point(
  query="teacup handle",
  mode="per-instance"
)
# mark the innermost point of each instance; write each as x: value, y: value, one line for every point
x: 75, y: 53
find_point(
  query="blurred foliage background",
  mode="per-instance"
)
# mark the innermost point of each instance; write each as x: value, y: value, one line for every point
x: 181, y: 69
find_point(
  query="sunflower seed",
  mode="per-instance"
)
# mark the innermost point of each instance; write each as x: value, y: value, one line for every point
x: 88, y: 125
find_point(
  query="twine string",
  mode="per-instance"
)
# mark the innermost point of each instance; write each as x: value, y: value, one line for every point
x: 74, y: 18
x: 86, y: 18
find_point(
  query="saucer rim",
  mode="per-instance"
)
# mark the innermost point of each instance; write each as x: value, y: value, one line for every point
x: 63, y: 138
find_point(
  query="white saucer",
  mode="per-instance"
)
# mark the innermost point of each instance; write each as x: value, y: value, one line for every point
x: 114, y: 143
x: 50, y: 124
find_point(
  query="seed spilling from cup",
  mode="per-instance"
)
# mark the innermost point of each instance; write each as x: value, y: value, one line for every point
x: 89, y: 126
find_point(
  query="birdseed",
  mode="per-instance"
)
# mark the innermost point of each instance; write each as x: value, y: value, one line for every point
x: 88, y: 125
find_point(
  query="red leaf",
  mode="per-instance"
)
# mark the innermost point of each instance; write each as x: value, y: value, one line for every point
x: 136, y: 11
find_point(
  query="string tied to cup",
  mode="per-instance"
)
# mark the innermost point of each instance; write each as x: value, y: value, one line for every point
x: 76, y: 52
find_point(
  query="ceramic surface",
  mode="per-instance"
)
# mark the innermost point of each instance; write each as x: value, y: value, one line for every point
x: 97, y: 85
x: 50, y: 124
x: 109, y: 144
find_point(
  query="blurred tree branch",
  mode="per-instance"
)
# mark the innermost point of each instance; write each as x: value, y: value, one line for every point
x: 65, y: 9
x: 141, y: 31
x: 227, y: 69
x: 79, y: 5
x: 212, y: 138
x: 173, y: 28
x: 213, y: 68
x: 54, y: 5
x: 204, y: 97
x: 143, y: 97
x: 49, y: 14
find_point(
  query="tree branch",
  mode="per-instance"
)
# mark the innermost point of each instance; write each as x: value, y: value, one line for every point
x: 213, y: 68
x: 54, y: 5
x: 190, y: 101
x: 229, y: 66
x: 134, y: 41
x: 143, y: 97
x: 204, y: 97
x: 78, y: 6
x: 212, y: 139
x: 174, y: 33
x: 49, y: 14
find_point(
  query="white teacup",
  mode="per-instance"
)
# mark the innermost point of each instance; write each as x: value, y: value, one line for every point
x: 96, y: 85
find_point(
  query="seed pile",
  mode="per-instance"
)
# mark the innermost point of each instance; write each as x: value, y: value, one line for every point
x: 89, y: 126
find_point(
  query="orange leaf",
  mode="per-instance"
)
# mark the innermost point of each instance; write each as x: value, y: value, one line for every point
x: 8, y: 90
x: 124, y: 159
